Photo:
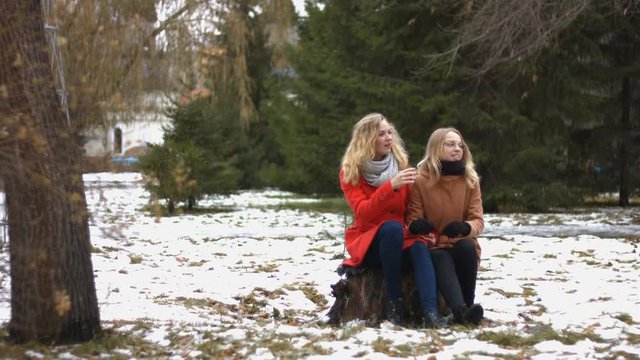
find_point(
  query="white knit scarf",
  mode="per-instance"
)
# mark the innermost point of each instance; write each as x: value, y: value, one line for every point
x: 376, y: 173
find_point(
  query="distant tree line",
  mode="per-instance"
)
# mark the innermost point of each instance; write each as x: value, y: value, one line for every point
x: 549, y: 107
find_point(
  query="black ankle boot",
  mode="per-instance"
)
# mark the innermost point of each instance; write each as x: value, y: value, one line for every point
x: 433, y: 320
x: 468, y: 315
x: 395, y: 311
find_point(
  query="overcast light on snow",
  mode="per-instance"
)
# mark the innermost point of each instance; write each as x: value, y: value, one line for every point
x: 246, y: 274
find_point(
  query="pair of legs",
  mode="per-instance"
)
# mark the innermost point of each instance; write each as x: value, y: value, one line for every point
x: 456, y: 273
x: 386, y: 252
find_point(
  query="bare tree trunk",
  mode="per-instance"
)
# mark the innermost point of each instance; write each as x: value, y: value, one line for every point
x: 623, y: 198
x: 53, y: 295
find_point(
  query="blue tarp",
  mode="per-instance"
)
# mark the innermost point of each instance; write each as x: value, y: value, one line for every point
x: 128, y: 160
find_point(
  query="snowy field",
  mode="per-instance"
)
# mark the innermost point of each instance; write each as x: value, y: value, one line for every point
x: 252, y: 281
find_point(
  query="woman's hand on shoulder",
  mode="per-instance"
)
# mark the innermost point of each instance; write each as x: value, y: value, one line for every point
x: 404, y: 177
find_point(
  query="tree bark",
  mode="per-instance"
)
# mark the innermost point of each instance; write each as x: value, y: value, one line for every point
x: 53, y: 295
x: 361, y: 295
x: 623, y: 196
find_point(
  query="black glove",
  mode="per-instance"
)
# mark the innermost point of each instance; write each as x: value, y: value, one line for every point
x: 457, y: 228
x: 420, y: 227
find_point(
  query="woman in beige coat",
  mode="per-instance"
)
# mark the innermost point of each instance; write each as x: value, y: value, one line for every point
x: 445, y: 205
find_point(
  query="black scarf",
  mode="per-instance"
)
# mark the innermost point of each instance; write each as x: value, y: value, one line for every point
x: 452, y: 167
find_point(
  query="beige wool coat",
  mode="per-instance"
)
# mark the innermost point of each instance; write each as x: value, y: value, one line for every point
x: 448, y: 200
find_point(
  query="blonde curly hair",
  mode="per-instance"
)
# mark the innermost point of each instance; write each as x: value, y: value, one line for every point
x: 362, y: 147
x: 433, y: 154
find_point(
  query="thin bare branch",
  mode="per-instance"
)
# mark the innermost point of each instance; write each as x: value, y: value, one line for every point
x: 495, y: 32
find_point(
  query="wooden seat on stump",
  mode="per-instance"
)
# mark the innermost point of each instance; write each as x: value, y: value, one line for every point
x: 361, y: 295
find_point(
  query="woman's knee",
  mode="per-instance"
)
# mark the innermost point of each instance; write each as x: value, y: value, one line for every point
x: 391, y: 231
x: 419, y: 248
x: 420, y: 252
x: 465, y: 249
x: 465, y: 246
x: 391, y: 226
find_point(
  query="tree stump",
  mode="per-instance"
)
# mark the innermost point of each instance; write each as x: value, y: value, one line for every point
x: 361, y: 295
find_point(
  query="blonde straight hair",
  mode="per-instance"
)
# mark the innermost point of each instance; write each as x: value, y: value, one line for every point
x: 362, y: 147
x: 434, y: 152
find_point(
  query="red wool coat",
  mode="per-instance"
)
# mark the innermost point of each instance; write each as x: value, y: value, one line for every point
x: 371, y: 208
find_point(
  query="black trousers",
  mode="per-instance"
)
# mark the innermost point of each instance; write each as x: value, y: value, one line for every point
x: 456, y: 273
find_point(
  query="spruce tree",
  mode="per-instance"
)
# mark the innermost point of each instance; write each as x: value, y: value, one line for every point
x: 354, y: 58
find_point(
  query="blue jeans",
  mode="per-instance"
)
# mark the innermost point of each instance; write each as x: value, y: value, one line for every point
x: 386, y: 252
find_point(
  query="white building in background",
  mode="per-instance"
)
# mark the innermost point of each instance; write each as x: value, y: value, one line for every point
x: 124, y: 139
x: 128, y: 133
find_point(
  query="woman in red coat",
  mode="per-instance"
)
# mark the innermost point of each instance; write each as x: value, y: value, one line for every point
x: 376, y: 178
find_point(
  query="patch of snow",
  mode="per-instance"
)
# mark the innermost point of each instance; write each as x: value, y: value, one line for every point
x: 243, y: 275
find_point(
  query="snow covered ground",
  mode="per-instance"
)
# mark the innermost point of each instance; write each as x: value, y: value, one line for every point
x: 252, y: 281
